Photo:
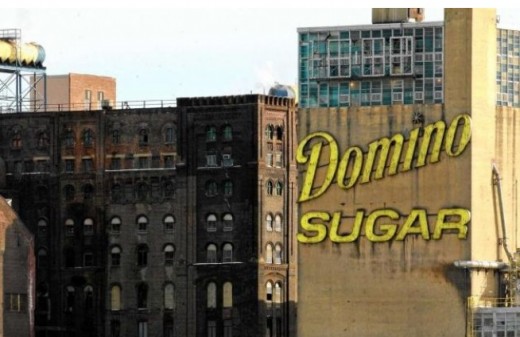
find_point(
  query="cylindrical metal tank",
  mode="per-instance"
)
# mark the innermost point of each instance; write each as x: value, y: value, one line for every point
x: 41, y: 54
x: 5, y: 51
x: 28, y: 53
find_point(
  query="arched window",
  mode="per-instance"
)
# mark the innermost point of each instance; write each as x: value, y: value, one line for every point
x: 211, y: 290
x: 228, y: 221
x: 115, y: 256
x: 115, y: 224
x: 115, y: 298
x: 69, y: 192
x: 88, y: 191
x: 69, y: 227
x: 279, y: 133
x: 116, y: 136
x: 42, y: 228
x: 169, y: 296
x: 211, y: 188
x: 269, y: 292
x: 16, y: 140
x: 278, y: 223
x: 169, y: 135
x: 227, y: 133
x: 168, y: 223
x: 68, y: 139
x: 142, y: 223
x: 42, y: 258
x: 142, y: 255
x: 70, y: 296
x: 211, y: 253
x: 269, y: 187
x: 211, y: 134
x: 169, y: 253
x: 142, y: 296
x: 227, y: 253
x: 88, y: 137
x: 228, y: 188
x: 269, y: 222
x: 43, y: 139
x: 277, y: 292
x: 278, y: 254
x: 227, y: 295
x: 279, y: 188
x: 88, y: 293
x: 143, y: 137
x: 211, y: 222
x: 88, y: 226
x: 269, y: 253
x: 269, y: 131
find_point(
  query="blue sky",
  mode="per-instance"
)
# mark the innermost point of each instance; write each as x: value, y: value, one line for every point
x: 180, y: 52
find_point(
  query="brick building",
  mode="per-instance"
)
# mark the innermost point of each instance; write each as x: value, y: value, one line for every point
x: 159, y: 221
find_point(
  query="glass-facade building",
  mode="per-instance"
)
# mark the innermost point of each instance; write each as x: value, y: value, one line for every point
x: 368, y: 65
x: 508, y: 67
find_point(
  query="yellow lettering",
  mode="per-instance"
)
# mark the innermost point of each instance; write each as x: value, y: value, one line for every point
x: 319, y: 228
x: 387, y: 229
x: 464, y: 137
x: 353, y: 236
x: 356, y: 169
x: 439, y: 128
x: 383, y: 147
x: 419, y: 216
x: 313, y: 160
x: 443, y: 223
x: 410, y: 150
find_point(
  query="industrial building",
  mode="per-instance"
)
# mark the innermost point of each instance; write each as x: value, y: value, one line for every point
x: 408, y: 178
x: 170, y: 221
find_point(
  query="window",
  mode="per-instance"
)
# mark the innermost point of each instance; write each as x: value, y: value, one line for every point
x: 212, y: 329
x: 68, y: 139
x: 69, y: 298
x: 117, y: 193
x: 42, y: 228
x: 143, y: 328
x: 115, y: 164
x: 142, y: 296
x: 279, y: 188
x: 269, y: 159
x: 269, y: 292
x: 69, y: 165
x: 227, y: 292
x: 88, y: 226
x: 16, y: 141
x: 269, y: 187
x: 211, y: 223
x: 88, y: 138
x: 269, y: 222
x: 211, y: 290
x: 211, y: 253
x: 228, y: 188
x: 143, y: 162
x: 278, y: 254
x: 88, y: 95
x: 277, y: 292
x: 278, y: 223
x: 228, y: 222
x: 115, y: 256
x: 68, y: 254
x: 141, y: 191
x: 142, y: 223
x: 278, y: 159
x: 115, y: 224
x: 115, y: 328
x: 115, y: 298
x: 69, y: 227
x: 279, y: 133
x: 69, y: 192
x: 88, y: 191
x: 227, y: 160
x: 227, y: 255
x: 142, y: 255
x: 211, y: 160
x: 88, y: 259
x: 269, y: 132
x: 169, y: 296
x: 143, y: 137
x: 100, y: 96
x: 42, y: 258
x: 211, y: 134
x: 168, y: 189
x: 43, y: 139
x: 169, y: 253
x: 227, y: 133
x: 116, y: 137
x: 168, y: 327
x: 15, y: 302
x: 211, y: 188
x: 169, y: 135
x: 228, y: 328
x: 269, y: 253
x: 169, y: 162
x: 169, y: 222
x: 88, y: 293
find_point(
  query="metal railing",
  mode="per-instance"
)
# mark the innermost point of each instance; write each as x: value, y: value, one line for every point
x: 90, y: 106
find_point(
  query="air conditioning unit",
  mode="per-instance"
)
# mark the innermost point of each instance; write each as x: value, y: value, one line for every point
x: 105, y: 104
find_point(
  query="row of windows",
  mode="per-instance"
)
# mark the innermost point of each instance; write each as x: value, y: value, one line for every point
x: 142, y: 162
x: 212, y: 160
x: 16, y: 141
x: 211, y: 253
x: 274, y: 159
x: 278, y: 187
x: 88, y: 227
x: 142, y: 292
x: 277, y: 222
x: 211, y: 222
x: 226, y: 131
x: 88, y: 137
x: 142, y: 191
x: 227, y: 295
x: 141, y: 223
x: 142, y: 328
x: 275, y: 256
x: 211, y: 188
x: 71, y: 300
x: 142, y: 255
x: 273, y: 132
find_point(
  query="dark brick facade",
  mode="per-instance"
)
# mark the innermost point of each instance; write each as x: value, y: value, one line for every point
x: 154, y: 221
